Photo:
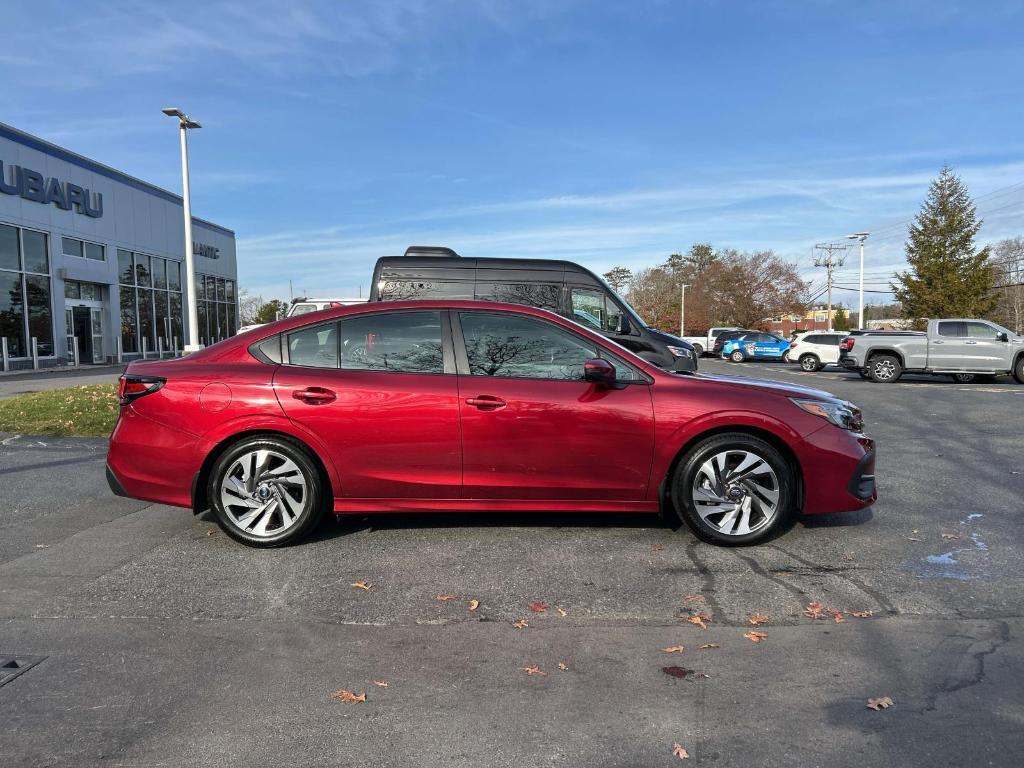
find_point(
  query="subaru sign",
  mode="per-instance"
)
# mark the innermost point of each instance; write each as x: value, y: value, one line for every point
x: 32, y: 185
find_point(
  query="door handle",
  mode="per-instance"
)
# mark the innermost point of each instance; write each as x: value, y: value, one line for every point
x: 938, y: 342
x: 486, y: 402
x: 970, y: 342
x: 314, y: 395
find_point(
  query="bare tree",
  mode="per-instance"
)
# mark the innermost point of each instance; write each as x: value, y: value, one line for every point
x: 1008, y: 260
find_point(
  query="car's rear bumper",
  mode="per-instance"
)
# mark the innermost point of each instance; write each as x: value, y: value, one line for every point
x: 150, y: 461
x: 850, y: 363
x: 839, y: 471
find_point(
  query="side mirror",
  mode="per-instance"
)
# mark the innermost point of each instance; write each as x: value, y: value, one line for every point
x: 623, y: 326
x: 599, y: 371
x: 1002, y: 336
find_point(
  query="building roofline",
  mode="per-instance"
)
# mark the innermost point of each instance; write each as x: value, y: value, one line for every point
x: 41, y: 145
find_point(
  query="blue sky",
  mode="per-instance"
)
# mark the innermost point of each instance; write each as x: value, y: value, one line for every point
x: 611, y: 133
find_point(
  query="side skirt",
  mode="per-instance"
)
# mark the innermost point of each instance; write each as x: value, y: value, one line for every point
x: 348, y: 506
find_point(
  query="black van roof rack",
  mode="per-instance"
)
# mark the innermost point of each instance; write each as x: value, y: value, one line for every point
x: 430, y: 250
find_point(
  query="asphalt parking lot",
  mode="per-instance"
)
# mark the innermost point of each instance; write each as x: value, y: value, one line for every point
x: 165, y: 643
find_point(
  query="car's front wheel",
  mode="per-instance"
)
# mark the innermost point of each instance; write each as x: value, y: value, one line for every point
x: 266, y: 492
x: 810, y: 363
x: 736, y: 356
x: 734, y: 489
x: 963, y: 378
x: 1018, y: 370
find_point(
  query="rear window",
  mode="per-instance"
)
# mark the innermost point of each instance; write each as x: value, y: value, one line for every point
x: 401, y: 290
x: 813, y: 340
x: 540, y: 295
x: 952, y: 328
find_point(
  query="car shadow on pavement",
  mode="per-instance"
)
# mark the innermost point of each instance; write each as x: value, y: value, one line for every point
x: 838, y: 519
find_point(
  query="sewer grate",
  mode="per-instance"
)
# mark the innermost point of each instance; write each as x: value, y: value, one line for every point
x: 12, y: 666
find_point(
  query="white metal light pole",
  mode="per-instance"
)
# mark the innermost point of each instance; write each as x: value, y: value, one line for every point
x: 682, y: 309
x: 184, y: 123
x: 862, y: 236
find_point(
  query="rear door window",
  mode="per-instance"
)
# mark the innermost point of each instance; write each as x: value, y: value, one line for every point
x: 952, y: 328
x: 403, y: 342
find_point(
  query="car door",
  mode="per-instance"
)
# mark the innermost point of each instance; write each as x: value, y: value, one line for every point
x: 380, y: 391
x: 532, y: 428
x: 985, y: 350
x: 949, y: 351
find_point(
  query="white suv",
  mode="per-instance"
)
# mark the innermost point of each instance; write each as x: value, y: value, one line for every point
x: 814, y: 350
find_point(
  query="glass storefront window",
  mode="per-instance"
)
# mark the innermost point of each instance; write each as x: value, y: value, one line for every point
x: 176, y: 327
x: 204, y: 333
x: 146, y: 318
x: 72, y: 289
x: 220, y: 289
x: 37, y: 256
x: 12, y: 315
x: 9, y: 248
x: 129, y: 327
x: 125, y: 269
x: 40, y: 316
x: 94, y: 252
x: 174, y: 275
x: 71, y: 247
x: 163, y: 320
x: 142, y: 273
x: 159, y: 273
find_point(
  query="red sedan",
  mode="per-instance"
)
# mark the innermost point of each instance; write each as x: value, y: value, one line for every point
x: 461, y: 405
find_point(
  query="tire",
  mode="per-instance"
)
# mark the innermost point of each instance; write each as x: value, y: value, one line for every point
x: 737, y: 356
x: 810, y: 363
x: 785, y: 356
x: 698, y: 350
x: 763, y: 497
x: 884, y: 369
x: 963, y: 378
x: 1018, y: 370
x: 863, y: 375
x: 274, y: 474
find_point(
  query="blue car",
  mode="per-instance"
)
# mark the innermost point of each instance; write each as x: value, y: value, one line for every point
x: 755, y: 345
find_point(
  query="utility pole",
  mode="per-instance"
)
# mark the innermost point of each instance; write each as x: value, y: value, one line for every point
x: 682, y: 309
x: 861, y: 236
x: 830, y: 261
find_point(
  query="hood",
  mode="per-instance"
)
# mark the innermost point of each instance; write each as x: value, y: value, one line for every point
x: 668, y: 338
x: 777, y: 387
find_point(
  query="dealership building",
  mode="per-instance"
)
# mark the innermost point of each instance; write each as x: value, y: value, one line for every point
x: 93, y: 255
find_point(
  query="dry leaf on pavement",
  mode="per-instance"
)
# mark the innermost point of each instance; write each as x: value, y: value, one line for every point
x: 361, y: 585
x: 562, y: 612
x: 348, y: 697
x: 678, y: 751
x: 950, y: 536
x: 837, y: 615
x: 563, y: 666
x: 381, y: 683
x: 758, y: 619
x: 474, y: 604
x: 883, y: 702
x: 700, y: 619
x: 695, y: 599
x: 534, y: 670
x: 709, y: 645
x: 674, y: 649
x: 444, y: 598
x: 862, y: 614
x: 521, y: 624
x: 538, y: 606
x: 755, y: 637
x: 813, y: 610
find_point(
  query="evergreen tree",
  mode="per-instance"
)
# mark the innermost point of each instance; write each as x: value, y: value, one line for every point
x: 948, y: 275
x: 618, y: 278
x: 840, y: 320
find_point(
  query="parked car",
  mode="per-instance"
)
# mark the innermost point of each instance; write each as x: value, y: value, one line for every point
x: 432, y: 272
x: 755, y: 345
x: 705, y: 344
x: 466, y: 405
x: 961, y: 348
x: 814, y: 350
x: 726, y: 336
x: 302, y: 306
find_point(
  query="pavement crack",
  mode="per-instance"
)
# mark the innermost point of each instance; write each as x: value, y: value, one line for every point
x: 883, y: 602
x: 970, y: 669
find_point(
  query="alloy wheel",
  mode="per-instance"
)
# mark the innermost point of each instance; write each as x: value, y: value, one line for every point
x: 736, y: 492
x: 884, y: 369
x: 808, y: 363
x: 264, y: 493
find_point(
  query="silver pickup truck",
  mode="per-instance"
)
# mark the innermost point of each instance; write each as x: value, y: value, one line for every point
x: 962, y: 348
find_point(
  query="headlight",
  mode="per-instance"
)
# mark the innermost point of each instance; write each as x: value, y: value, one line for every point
x: 844, y: 415
x: 680, y: 352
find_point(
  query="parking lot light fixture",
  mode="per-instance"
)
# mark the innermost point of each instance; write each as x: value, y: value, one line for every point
x: 184, y: 124
x: 861, y: 236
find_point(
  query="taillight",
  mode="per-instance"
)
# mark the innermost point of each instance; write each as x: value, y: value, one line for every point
x: 846, y: 344
x: 133, y: 387
x: 792, y: 345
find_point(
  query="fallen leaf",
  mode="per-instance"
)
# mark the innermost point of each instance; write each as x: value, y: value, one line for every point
x: 521, y: 624
x: 709, y: 645
x: 837, y: 615
x: 678, y: 751
x: 534, y: 670
x: 950, y: 536
x: 674, y: 649
x: 538, y: 606
x: 755, y: 637
x: 913, y: 538
x: 916, y: 530
x: 700, y: 619
x: 360, y: 585
x: 381, y: 683
x: 444, y: 598
x: 862, y: 614
x: 813, y: 610
x: 562, y: 666
x: 679, y: 672
x: 562, y: 612
x: 883, y: 702
x: 209, y: 533
x: 758, y: 619
x: 348, y: 697
x: 657, y: 547
x: 47, y: 546
x: 474, y: 604
x: 848, y: 556
x: 695, y: 599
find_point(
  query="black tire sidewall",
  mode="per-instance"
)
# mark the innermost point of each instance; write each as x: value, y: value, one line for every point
x: 311, y: 475
x: 1018, y: 370
x: 686, y: 469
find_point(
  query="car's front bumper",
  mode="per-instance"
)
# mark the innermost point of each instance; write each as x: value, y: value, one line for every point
x: 839, y: 471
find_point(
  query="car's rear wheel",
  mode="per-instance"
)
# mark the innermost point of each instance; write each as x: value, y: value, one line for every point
x: 698, y: 350
x: 736, y: 356
x: 734, y: 489
x: 963, y: 378
x: 266, y: 492
x: 884, y: 369
x: 863, y: 375
x: 810, y: 363
x: 1018, y: 370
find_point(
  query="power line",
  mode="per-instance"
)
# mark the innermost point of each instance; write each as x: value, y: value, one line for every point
x: 830, y: 262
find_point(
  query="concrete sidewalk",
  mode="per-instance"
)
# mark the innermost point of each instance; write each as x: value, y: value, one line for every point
x: 24, y: 382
